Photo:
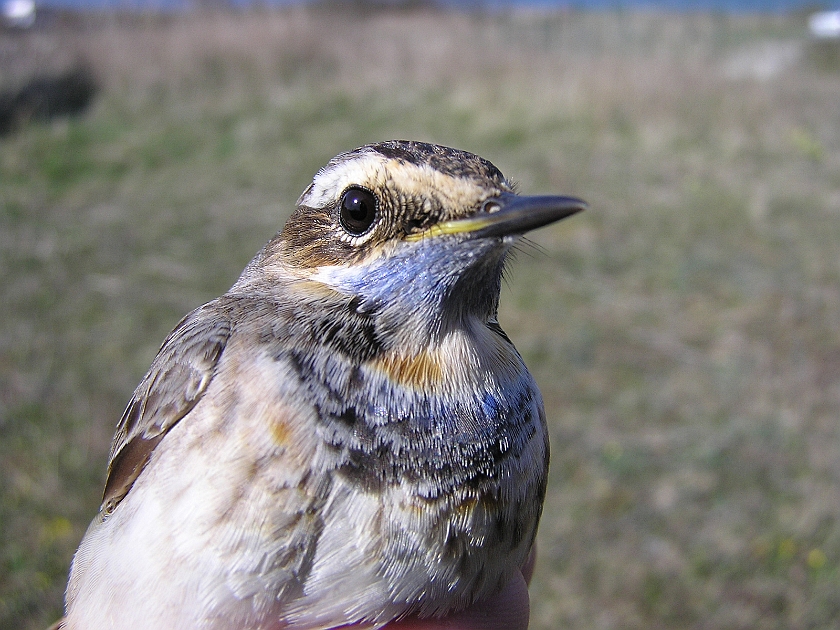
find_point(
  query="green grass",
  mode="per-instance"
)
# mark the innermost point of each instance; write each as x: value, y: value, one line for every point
x: 684, y: 330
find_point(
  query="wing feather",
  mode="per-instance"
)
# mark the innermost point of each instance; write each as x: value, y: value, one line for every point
x: 178, y: 377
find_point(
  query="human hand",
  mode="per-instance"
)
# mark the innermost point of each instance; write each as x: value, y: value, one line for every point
x: 508, y: 610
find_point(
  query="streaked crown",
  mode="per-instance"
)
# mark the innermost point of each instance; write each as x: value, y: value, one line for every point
x: 365, y: 198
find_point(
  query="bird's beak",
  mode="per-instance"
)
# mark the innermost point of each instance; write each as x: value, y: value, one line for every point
x: 505, y: 215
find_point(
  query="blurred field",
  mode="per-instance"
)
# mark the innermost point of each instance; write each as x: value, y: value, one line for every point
x: 685, y: 330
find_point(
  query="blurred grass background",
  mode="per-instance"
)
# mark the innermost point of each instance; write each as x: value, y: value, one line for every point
x: 685, y: 331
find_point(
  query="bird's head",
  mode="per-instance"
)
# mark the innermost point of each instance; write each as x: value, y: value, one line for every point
x: 412, y: 232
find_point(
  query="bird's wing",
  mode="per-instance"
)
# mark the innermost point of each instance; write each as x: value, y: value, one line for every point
x: 178, y: 377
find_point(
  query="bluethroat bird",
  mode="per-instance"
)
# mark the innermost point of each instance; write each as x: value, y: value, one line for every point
x: 346, y: 436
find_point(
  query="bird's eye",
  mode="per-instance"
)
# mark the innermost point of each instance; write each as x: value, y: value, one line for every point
x: 358, y: 210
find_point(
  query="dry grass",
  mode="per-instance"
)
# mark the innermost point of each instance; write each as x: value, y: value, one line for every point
x: 684, y: 330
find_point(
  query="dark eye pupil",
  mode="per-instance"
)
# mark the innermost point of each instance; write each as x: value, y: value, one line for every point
x: 358, y: 210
